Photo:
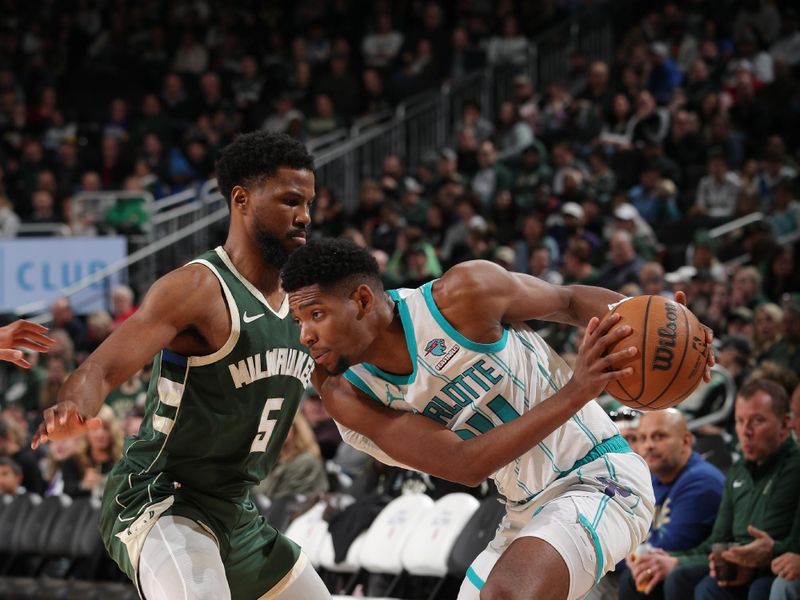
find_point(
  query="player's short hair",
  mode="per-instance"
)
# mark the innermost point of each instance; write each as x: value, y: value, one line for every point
x: 329, y: 262
x: 780, y: 399
x: 253, y: 157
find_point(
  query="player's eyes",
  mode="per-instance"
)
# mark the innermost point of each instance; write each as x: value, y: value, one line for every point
x: 317, y: 314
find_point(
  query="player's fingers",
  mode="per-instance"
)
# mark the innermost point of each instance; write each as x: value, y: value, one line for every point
x: 615, y: 335
x: 614, y: 375
x: 15, y: 357
x: 93, y: 422
x: 611, y: 338
x: 615, y: 359
x: 65, y: 410
x: 591, y: 327
x: 607, y: 323
x: 680, y: 297
x: 36, y: 337
x: 50, y: 419
x: 40, y: 437
x: 32, y: 345
x: 10, y: 355
x: 34, y: 331
x: 24, y: 325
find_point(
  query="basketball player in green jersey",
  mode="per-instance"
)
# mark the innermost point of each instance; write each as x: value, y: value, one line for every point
x: 228, y: 376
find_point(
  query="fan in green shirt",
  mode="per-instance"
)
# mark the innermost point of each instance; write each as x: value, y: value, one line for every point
x: 758, y: 507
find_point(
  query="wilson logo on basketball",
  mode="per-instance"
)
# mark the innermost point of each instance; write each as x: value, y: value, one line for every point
x: 662, y: 360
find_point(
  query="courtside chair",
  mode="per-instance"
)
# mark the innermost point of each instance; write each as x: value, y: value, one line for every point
x: 387, y: 536
x: 308, y: 531
x: 427, y: 550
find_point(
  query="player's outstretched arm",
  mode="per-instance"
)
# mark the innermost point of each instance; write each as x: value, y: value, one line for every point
x: 484, y: 288
x: 175, y: 303
x: 478, y: 295
x: 427, y: 446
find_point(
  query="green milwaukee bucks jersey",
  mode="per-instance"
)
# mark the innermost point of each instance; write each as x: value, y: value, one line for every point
x: 216, y: 423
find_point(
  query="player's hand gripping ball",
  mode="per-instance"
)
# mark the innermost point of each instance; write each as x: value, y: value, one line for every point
x: 673, y: 353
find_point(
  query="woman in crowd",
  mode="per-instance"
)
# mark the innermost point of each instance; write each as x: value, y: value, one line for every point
x: 299, y: 469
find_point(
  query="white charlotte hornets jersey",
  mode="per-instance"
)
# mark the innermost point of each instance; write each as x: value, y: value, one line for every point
x: 471, y: 388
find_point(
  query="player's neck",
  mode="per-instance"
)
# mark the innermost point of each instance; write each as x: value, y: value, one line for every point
x: 389, y: 351
x: 252, y: 266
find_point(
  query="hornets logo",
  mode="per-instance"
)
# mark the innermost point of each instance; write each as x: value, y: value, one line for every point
x: 435, y: 347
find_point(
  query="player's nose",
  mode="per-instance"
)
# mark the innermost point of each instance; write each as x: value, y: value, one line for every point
x: 302, y: 215
x: 307, y: 338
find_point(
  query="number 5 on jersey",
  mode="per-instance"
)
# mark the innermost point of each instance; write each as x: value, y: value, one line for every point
x: 267, y: 424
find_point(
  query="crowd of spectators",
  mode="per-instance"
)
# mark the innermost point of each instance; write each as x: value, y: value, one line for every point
x: 141, y: 97
x: 614, y: 176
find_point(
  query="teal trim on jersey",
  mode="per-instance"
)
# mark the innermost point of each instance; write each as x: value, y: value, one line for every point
x: 355, y: 380
x: 411, y: 343
x: 612, y: 472
x: 453, y: 333
x: 474, y: 579
x: 598, y: 550
x: 600, y: 510
x: 613, y: 445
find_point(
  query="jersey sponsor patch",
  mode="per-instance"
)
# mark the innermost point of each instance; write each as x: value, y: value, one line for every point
x: 447, y: 357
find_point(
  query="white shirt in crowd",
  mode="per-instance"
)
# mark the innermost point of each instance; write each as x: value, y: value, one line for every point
x: 719, y: 199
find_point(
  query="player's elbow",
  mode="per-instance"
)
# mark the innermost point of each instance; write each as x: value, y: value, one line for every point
x: 470, y: 475
x: 473, y: 481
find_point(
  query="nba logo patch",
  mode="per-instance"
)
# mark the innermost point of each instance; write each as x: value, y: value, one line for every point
x: 435, y: 347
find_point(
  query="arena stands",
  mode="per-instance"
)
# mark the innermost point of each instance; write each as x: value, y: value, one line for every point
x: 648, y: 147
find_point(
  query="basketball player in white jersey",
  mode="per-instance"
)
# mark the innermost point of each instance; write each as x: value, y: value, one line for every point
x: 446, y: 379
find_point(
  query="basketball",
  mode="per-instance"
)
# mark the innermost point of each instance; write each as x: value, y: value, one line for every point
x: 672, y: 353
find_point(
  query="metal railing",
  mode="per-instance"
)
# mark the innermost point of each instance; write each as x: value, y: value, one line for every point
x: 43, y: 229
x: 344, y: 158
x: 172, y: 246
x: 426, y: 122
x: 734, y: 226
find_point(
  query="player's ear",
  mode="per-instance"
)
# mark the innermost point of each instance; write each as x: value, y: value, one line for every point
x: 364, y: 298
x: 239, y: 198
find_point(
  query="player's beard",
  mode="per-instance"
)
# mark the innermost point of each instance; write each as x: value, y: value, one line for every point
x: 272, y: 249
x: 340, y: 367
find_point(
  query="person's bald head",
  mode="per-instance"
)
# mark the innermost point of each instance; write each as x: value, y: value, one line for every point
x: 62, y: 312
x: 664, y: 442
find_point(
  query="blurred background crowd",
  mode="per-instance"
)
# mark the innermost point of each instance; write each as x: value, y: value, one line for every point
x: 626, y: 174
